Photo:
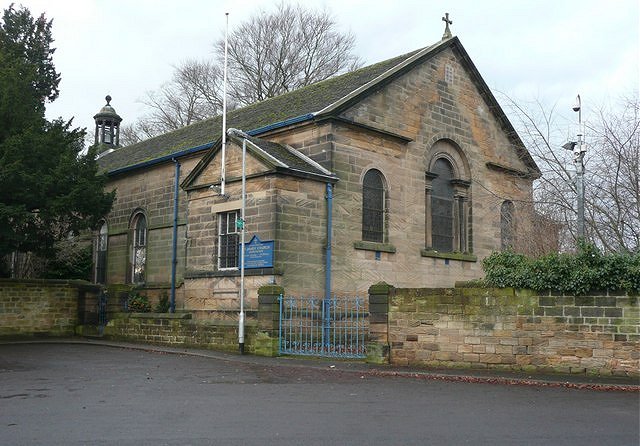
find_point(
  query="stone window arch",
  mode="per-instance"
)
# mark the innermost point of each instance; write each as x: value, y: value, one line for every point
x: 101, y: 246
x: 374, y: 195
x: 139, y: 233
x: 507, y: 225
x: 447, y: 200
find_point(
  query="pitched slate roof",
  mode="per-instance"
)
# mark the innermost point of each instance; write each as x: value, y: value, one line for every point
x: 325, y: 98
x: 289, y: 106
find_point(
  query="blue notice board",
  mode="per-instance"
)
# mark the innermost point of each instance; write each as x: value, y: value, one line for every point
x: 258, y: 254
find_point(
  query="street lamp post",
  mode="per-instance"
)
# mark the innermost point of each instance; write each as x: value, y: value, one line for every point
x: 242, y: 247
x: 579, y: 150
x: 242, y: 227
x: 579, y: 162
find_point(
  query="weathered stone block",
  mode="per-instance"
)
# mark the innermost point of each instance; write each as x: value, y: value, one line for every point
x: 585, y: 301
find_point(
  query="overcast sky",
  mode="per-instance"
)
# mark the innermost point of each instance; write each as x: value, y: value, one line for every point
x: 549, y: 50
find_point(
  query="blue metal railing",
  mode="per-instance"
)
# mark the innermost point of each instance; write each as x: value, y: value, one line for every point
x: 333, y: 327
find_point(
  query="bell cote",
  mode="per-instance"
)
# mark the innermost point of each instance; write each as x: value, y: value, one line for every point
x: 108, y: 125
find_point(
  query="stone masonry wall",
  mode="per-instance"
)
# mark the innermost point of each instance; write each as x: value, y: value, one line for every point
x: 519, y: 330
x: 427, y: 107
x: 39, y: 307
x: 301, y: 234
x: 179, y: 330
x: 152, y: 192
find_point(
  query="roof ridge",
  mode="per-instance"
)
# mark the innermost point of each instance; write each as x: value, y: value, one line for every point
x: 258, y: 117
x: 280, y: 96
x: 334, y: 78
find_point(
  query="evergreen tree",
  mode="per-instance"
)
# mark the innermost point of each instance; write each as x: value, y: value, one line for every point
x: 49, y: 188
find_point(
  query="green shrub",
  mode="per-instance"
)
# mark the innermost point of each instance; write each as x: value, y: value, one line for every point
x: 506, y: 269
x: 138, y: 303
x: 579, y: 273
x: 72, y: 261
x: 163, y: 304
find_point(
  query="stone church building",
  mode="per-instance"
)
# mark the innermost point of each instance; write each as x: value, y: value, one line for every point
x: 406, y: 171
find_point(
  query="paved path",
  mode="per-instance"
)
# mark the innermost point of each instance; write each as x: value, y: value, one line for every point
x: 76, y: 394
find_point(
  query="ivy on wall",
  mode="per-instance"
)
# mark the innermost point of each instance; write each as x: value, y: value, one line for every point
x: 579, y: 273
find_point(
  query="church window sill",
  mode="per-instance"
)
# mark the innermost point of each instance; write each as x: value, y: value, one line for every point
x: 374, y: 246
x: 463, y: 257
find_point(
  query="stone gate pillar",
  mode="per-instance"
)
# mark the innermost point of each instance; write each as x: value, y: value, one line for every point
x: 266, y: 343
x: 378, y: 342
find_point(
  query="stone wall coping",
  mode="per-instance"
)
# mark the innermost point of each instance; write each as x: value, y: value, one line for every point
x: 76, y: 283
x: 226, y: 323
x: 158, y: 315
x: 380, y: 288
x: 470, y: 285
x: 188, y: 320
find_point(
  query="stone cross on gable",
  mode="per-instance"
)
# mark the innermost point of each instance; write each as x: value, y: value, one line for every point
x: 447, y: 31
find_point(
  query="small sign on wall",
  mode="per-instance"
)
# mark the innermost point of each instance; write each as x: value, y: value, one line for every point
x: 258, y: 254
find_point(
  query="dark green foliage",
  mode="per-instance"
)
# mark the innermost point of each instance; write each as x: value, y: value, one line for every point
x: 48, y: 188
x: 579, y: 273
x: 26, y: 67
x: 70, y: 263
x: 163, y: 304
x: 138, y: 303
x: 5, y: 270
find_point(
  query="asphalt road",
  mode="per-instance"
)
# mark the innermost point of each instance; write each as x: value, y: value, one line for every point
x: 66, y: 394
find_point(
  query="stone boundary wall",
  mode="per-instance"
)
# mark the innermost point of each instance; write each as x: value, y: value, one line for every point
x: 44, y: 307
x: 507, y: 329
x: 179, y: 329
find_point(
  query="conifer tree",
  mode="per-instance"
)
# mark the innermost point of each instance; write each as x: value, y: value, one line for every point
x: 49, y: 186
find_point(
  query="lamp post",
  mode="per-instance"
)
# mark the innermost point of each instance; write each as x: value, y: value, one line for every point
x: 242, y: 247
x: 240, y: 224
x: 579, y: 150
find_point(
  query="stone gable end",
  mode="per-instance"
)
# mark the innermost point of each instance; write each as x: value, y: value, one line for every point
x: 426, y: 102
x: 211, y: 173
x: 435, y: 103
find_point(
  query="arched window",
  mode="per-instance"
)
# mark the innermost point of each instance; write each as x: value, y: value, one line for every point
x: 373, y: 207
x: 507, y: 225
x: 101, y: 254
x: 442, y: 206
x: 139, y: 251
x: 447, y: 201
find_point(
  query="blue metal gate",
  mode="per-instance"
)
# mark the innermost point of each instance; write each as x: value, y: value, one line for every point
x: 334, y: 327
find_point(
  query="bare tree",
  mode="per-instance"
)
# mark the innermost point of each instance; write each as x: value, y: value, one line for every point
x: 193, y: 94
x: 612, y: 187
x: 614, y: 195
x: 190, y: 96
x: 270, y: 54
x: 136, y: 132
x: 273, y: 53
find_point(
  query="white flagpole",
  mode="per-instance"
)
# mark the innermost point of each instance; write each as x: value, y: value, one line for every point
x: 224, y: 108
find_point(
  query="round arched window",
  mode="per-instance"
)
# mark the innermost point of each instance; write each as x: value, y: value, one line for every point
x: 373, y: 206
x: 139, y: 254
x: 442, y: 206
